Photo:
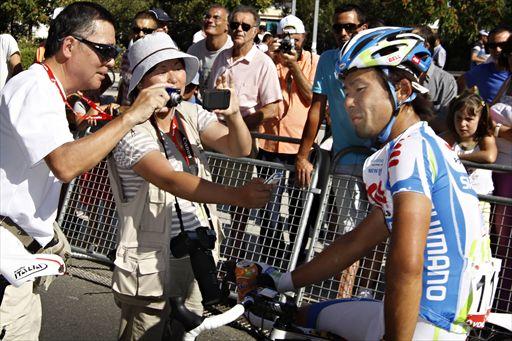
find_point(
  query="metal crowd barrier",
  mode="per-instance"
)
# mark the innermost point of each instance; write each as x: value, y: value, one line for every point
x: 273, y: 234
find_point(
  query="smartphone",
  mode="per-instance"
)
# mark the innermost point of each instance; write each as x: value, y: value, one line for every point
x: 216, y: 99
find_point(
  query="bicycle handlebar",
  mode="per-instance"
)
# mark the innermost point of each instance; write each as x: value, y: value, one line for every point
x: 216, y: 321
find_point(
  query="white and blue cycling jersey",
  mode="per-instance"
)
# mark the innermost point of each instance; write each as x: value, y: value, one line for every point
x: 419, y: 161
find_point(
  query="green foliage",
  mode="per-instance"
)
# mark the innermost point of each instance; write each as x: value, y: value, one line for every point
x: 20, y: 16
x: 460, y: 20
x: 28, y: 52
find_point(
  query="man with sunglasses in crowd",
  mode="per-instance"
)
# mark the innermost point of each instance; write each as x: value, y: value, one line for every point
x: 489, y: 76
x: 38, y: 153
x: 144, y: 22
x: 215, y: 27
x: 252, y: 71
x: 348, y: 20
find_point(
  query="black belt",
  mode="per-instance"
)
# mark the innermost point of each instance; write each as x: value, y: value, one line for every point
x: 29, y: 243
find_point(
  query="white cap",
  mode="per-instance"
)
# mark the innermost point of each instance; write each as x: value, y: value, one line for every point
x: 483, y: 33
x: 155, y: 48
x: 290, y: 24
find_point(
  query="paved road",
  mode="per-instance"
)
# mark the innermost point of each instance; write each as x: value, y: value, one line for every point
x: 76, y: 309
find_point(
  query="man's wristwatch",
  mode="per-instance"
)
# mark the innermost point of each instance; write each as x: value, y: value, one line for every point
x: 497, y: 129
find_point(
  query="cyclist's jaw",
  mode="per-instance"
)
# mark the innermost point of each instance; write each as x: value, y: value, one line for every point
x: 367, y: 102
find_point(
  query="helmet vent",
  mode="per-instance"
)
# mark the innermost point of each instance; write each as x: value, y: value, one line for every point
x: 361, y: 45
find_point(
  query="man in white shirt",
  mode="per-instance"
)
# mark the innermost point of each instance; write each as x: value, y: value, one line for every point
x: 38, y: 153
x: 10, y: 58
x: 215, y: 27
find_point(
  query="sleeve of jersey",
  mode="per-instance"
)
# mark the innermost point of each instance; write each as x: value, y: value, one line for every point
x: 132, y: 148
x: 410, y: 167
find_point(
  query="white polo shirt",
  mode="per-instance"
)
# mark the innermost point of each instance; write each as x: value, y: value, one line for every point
x: 8, y: 47
x: 32, y: 124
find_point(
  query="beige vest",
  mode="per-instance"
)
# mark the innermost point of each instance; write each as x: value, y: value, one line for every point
x: 143, y: 254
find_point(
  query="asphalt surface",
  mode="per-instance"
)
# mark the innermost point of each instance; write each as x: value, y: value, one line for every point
x: 78, y: 309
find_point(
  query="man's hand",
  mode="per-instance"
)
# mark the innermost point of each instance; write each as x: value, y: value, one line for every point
x: 149, y: 101
x: 254, y: 194
x: 303, y: 170
x: 226, y: 82
x: 288, y: 59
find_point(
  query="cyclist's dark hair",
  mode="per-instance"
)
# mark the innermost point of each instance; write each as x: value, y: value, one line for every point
x: 361, y: 14
x: 422, y: 105
x: 426, y: 33
x: 471, y: 102
x: 76, y: 19
x: 246, y: 9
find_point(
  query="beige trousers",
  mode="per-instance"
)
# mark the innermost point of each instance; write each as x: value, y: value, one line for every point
x: 20, y: 313
x: 139, y: 321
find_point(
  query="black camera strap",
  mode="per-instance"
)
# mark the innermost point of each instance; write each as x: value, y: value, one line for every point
x: 189, y: 156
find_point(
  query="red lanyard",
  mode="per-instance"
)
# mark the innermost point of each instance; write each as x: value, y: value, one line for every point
x: 185, y: 145
x: 102, y: 115
x: 185, y: 148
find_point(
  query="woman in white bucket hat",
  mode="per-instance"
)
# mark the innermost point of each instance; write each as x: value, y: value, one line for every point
x: 157, y: 162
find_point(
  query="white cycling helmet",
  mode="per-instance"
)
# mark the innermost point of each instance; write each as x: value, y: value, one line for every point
x: 385, y: 48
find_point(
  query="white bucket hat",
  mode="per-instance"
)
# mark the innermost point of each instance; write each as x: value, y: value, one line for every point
x: 153, y: 49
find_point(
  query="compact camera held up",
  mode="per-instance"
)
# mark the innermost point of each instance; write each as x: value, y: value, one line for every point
x: 175, y: 99
x: 287, y: 45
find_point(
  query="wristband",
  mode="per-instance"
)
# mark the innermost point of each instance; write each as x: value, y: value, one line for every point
x: 497, y: 129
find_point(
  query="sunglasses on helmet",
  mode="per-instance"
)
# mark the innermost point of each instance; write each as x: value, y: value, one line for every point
x: 106, y: 52
x: 233, y: 25
x: 349, y: 28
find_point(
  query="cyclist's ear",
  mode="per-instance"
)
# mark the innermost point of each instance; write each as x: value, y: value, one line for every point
x: 403, y: 89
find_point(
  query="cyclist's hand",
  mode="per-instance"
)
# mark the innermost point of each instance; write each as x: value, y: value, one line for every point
x: 272, y: 278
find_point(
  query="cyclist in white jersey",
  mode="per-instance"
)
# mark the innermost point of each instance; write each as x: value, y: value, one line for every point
x: 422, y: 200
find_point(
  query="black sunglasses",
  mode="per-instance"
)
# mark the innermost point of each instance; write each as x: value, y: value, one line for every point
x: 106, y: 52
x: 233, y: 25
x: 349, y: 28
x: 493, y: 46
x: 137, y: 30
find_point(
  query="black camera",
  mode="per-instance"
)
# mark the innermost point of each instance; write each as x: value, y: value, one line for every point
x: 287, y: 45
x: 175, y: 97
x: 198, y: 245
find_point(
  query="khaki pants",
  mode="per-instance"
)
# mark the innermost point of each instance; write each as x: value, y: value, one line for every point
x: 20, y: 313
x: 140, y: 322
